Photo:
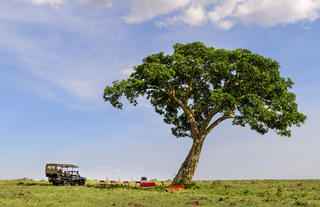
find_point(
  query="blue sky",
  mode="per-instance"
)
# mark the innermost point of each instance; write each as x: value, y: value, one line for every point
x: 57, y: 56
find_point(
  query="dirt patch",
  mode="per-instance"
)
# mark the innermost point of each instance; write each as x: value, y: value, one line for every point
x: 19, y: 193
x: 195, y: 203
x: 203, y: 198
x: 131, y: 204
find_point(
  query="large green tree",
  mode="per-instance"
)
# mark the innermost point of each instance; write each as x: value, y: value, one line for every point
x: 198, y: 87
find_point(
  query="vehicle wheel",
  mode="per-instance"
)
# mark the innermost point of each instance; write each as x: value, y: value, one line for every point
x: 81, y: 183
x: 65, y: 183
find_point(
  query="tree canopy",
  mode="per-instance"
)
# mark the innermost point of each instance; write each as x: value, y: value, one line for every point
x: 205, y: 81
x: 197, y: 87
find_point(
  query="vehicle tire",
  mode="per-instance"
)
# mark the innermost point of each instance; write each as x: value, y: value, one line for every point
x: 65, y: 183
x: 81, y: 183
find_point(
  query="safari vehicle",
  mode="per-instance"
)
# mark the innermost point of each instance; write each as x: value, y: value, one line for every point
x: 65, y: 174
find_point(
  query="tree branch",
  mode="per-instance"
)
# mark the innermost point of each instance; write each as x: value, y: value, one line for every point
x: 190, y: 116
x: 215, y: 123
x: 199, y: 115
x: 208, y: 119
x: 238, y: 117
x: 185, y: 101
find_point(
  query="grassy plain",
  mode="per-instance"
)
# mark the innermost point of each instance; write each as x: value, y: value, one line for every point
x: 29, y: 193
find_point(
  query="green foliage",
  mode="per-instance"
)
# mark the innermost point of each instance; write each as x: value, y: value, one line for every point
x: 191, y: 185
x: 197, y: 82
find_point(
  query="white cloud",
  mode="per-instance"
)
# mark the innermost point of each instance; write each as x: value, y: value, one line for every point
x: 70, y: 70
x: 269, y: 13
x: 56, y: 3
x: 143, y: 10
x: 195, y: 15
x: 225, y: 24
x: 221, y: 13
x: 224, y: 14
x: 264, y: 12
x: 126, y: 72
x: 51, y: 2
x: 104, y: 3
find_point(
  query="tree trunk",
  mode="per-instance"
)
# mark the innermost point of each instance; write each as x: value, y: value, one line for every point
x: 190, y: 164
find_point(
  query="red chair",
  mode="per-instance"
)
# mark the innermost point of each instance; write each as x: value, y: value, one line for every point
x: 102, y: 184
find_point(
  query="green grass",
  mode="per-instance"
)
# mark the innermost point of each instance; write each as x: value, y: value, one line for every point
x: 25, y: 192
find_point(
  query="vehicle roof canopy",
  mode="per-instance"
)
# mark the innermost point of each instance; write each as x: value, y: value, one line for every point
x: 62, y: 165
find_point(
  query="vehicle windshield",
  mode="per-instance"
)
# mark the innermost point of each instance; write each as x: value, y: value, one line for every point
x: 73, y: 173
